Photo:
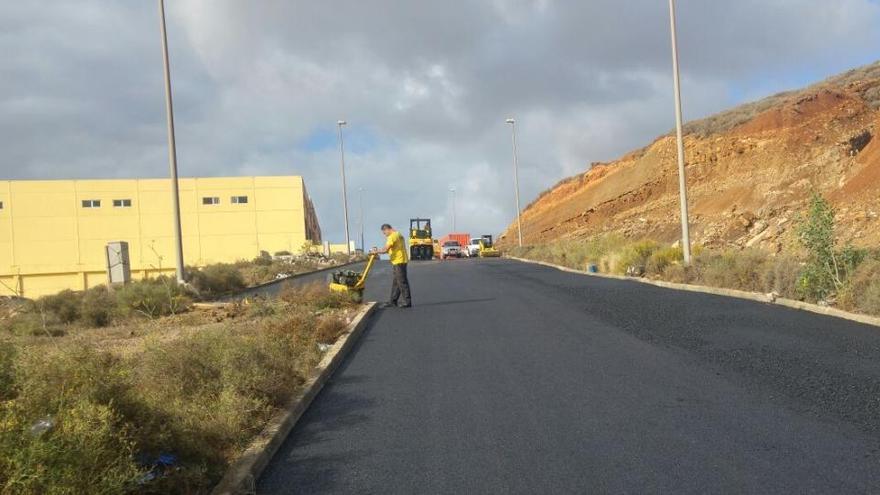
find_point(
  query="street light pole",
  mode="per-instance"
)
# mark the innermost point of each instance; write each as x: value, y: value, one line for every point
x: 512, y: 123
x: 682, y: 180
x: 172, y: 150
x: 361, y: 193
x: 339, y: 124
x: 454, y: 228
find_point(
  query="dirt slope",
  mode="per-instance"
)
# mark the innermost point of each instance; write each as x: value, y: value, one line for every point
x: 750, y: 171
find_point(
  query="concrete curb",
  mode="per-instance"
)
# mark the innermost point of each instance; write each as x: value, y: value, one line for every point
x: 740, y: 294
x: 241, y: 476
x: 247, y: 291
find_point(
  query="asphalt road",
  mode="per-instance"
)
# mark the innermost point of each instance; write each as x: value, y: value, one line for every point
x: 514, y: 378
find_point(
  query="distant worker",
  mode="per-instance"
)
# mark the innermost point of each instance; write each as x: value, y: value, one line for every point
x: 396, y: 249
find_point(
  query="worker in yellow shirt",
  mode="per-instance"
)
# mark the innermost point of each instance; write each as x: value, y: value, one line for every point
x: 395, y: 246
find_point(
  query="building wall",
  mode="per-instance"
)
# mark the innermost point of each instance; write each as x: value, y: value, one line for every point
x: 49, y: 241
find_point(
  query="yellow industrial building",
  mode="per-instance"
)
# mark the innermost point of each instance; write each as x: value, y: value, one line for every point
x: 53, y: 233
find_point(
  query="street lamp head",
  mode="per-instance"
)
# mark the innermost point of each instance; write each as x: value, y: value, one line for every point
x: 341, y: 122
x: 510, y: 121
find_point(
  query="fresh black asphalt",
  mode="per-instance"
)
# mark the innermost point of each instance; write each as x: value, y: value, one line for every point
x: 509, y: 377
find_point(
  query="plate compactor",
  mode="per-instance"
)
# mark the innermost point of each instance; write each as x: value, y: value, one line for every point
x: 351, y: 282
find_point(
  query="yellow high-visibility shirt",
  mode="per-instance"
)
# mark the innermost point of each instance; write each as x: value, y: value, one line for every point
x: 396, y: 248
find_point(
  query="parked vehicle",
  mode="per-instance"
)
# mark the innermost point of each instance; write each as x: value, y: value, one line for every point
x: 461, y: 237
x: 472, y: 250
x: 450, y: 249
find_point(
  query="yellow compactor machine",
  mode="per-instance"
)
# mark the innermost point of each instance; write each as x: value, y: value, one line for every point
x: 487, y: 247
x: 351, y: 282
x: 421, y: 244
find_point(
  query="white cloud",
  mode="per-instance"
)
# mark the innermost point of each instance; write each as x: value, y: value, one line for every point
x: 427, y: 85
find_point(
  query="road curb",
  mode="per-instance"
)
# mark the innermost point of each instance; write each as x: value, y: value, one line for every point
x: 247, y: 291
x: 241, y: 476
x: 739, y: 294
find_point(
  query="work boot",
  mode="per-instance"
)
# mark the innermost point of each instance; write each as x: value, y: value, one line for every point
x: 407, y: 305
x: 387, y: 305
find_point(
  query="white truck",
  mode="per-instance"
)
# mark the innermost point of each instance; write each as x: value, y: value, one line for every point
x: 472, y: 250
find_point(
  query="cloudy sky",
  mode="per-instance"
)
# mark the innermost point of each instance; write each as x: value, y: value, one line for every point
x: 425, y: 87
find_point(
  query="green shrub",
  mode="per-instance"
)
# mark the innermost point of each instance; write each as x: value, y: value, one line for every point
x: 200, y: 395
x: 7, y: 371
x: 63, y: 307
x: 261, y: 307
x: 217, y: 279
x: 314, y: 294
x: 263, y: 259
x: 47, y: 377
x: 661, y: 259
x: 863, y: 290
x: 782, y: 275
x: 633, y: 259
x: 153, y: 298
x: 676, y: 273
x: 573, y: 254
x: 743, y: 270
x: 98, y: 306
x: 86, y: 450
x: 31, y: 322
x: 827, y: 268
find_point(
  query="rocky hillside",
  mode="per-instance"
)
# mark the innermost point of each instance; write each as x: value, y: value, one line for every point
x: 750, y: 172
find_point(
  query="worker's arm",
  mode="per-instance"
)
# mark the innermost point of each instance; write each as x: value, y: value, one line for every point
x: 388, y: 244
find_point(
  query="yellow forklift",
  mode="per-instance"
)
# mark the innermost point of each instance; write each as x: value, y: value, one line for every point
x: 351, y: 282
x: 487, y: 247
x: 421, y: 244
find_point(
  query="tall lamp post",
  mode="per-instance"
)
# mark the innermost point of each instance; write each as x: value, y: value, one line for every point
x: 682, y: 179
x: 172, y: 150
x: 454, y: 228
x: 339, y: 125
x: 512, y: 123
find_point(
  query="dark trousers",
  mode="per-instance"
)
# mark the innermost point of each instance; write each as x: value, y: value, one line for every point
x: 400, y: 285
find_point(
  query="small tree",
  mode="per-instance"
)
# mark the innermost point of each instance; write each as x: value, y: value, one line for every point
x: 827, y: 269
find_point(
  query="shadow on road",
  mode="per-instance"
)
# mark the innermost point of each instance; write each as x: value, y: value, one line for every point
x: 450, y: 303
x: 301, y: 462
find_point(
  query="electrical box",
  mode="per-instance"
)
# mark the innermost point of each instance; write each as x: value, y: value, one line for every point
x: 118, y: 265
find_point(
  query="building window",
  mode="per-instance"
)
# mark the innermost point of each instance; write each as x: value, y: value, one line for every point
x: 211, y: 200
x: 122, y: 203
x: 239, y: 200
x: 91, y: 203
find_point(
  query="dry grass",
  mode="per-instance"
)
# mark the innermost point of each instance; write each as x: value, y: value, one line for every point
x: 748, y: 269
x: 266, y: 269
x: 196, y: 386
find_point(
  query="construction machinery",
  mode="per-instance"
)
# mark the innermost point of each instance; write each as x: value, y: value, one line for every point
x: 421, y: 244
x: 351, y: 282
x: 487, y: 247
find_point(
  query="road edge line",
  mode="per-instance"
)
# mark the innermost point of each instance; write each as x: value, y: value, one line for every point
x: 739, y: 294
x: 242, y: 474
